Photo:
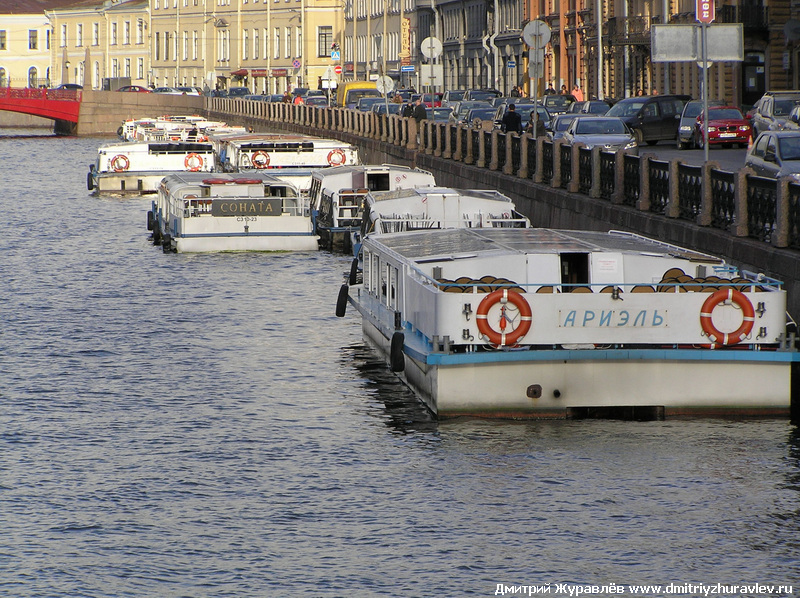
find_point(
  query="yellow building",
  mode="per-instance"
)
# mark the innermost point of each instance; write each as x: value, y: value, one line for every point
x: 269, y: 46
x: 25, y: 39
x: 100, y: 45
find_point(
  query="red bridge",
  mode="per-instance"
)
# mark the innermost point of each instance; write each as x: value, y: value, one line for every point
x: 56, y: 104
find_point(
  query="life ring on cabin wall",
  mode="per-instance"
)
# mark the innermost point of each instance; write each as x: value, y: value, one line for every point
x: 119, y: 163
x: 193, y: 162
x: 738, y: 298
x: 503, y: 338
x: 336, y: 157
x: 260, y: 159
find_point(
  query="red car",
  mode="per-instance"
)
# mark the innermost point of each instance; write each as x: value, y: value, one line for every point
x: 432, y: 100
x: 135, y: 88
x: 726, y: 125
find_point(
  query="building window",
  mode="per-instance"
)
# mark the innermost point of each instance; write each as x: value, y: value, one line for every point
x: 140, y: 31
x: 115, y: 68
x: 299, y: 39
x: 324, y: 40
x: 127, y: 67
x: 113, y: 40
x: 140, y: 68
x: 79, y: 35
x: 3, y: 40
x: 194, y: 45
x: 245, y: 44
x: 157, y: 46
x: 33, y: 39
x: 64, y: 35
x: 96, y: 34
x: 185, y: 45
x: 126, y: 33
x: 255, y: 44
x: 277, y: 42
x: 47, y: 39
x: 288, y: 39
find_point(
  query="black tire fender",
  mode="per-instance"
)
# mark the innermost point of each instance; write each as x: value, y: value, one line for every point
x: 353, y: 271
x: 341, y: 301
x: 397, y: 361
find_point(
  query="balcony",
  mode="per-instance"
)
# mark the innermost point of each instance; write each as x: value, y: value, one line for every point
x: 630, y: 31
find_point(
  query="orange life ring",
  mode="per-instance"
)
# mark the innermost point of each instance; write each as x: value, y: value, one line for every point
x: 724, y: 338
x: 336, y: 157
x: 503, y: 338
x: 216, y: 181
x: 193, y: 162
x: 247, y: 181
x: 119, y: 163
x: 260, y: 159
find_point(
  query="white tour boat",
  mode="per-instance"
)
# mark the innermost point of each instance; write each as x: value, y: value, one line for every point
x: 172, y: 128
x: 435, y: 208
x: 197, y: 212
x: 502, y: 322
x: 271, y: 151
x: 138, y: 166
x: 338, y: 193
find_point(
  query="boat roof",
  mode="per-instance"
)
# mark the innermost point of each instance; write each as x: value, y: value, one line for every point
x: 448, y: 244
x: 158, y: 146
x: 222, y: 178
x: 421, y: 192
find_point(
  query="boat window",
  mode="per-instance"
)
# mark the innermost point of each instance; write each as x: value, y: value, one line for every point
x: 378, y: 181
x: 385, y: 284
x: 366, y: 266
x: 374, y: 274
x: 392, y: 287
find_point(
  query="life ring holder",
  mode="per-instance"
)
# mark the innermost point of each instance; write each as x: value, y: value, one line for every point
x: 260, y: 159
x: 336, y: 157
x: 717, y: 337
x: 193, y: 158
x: 120, y: 163
x: 503, y: 296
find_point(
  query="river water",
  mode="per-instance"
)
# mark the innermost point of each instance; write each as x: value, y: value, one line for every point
x: 204, y: 426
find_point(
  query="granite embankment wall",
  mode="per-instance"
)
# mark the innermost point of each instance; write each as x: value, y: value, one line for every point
x: 103, y: 112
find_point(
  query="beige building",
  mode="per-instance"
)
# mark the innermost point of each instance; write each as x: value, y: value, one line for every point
x: 100, y: 45
x: 267, y: 45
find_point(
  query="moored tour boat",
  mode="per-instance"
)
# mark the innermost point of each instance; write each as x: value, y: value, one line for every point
x: 197, y: 212
x: 533, y: 322
x: 338, y: 193
x: 137, y: 167
x: 432, y: 208
x: 270, y: 151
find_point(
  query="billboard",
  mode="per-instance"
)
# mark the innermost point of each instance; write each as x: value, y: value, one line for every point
x: 682, y: 43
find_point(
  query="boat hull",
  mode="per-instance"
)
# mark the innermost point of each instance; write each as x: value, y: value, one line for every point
x: 568, y: 383
x: 277, y: 242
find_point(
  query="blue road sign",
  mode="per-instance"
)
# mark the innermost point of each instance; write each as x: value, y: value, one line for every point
x: 407, y: 68
x: 335, y: 55
x: 512, y: 64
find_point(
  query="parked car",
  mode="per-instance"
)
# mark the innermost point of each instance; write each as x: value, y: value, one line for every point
x: 559, y: 124
x: 557, y: 103
x: 190, y: 91
x: 483, y: 114
x: 543, y: 114
x: 168, y: 90
x: 686, y: 125
x: 135, y: 89
x: 726, y: 126
x: 523, y: 109
x: 315, y: 101
x: 652, y: 118
x: 575, y: 107
x: 773, y: 110
x: 451, y: 96
x: 439, y: 114
x: 461, y: 108
x: 238, y: 92
x: 365, y: 104
x: 775, y: 154
x: 599, y: 107
x: 69, y: 86
x: 394, y: 108
x: 609, y: 132
x: 481, y: 94
x: 432, y: 100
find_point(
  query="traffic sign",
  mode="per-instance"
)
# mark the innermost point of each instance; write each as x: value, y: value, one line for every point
x: 512, y: 64
x: 336, y: 55
x: 407, y: 68
x: 431, y: 47
x: 705, y: 11
x: 536, y: 34
x: 337, y: 69
x: 296, y: 63
x: 384, y: 85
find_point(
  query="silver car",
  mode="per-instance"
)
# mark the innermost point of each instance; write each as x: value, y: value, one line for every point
x: 610, y: 133
x: 775, y: 154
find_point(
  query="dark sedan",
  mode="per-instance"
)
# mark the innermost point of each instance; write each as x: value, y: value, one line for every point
x: 775, y: 154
